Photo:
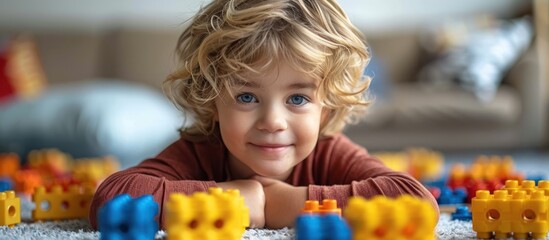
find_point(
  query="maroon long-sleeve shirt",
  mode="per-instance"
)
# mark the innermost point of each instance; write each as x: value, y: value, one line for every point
x: 336, y: 169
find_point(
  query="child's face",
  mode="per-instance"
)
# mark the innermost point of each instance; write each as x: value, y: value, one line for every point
x: 271, y: 124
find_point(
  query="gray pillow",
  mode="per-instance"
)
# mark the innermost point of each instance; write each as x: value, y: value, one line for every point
x: 92, y: 119
x: 479, y: 59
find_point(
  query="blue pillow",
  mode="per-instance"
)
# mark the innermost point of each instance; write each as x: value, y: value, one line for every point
x: 92, y: 119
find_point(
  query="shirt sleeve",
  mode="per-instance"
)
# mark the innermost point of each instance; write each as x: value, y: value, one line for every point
x: 157, y: 176
x: 346, y: 169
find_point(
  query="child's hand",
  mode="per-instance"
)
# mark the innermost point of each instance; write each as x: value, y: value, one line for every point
x: 254, y: 197
x: 283, y: 202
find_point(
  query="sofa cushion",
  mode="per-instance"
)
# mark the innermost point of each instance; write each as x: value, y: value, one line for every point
x: 414, y: 106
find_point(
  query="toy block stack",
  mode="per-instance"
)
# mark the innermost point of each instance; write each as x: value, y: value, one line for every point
x: 485, y: 173
x: 21, y: 73
x: 517, y: 210
x: 380, y: 217
x: 10, y: 209
x: 212, y: 215
x: 58, y: 204
x: 321, y: 221
x: 124, y: 217
x: 94, y: 170
x: 422, y: 163
x: 328, y: 206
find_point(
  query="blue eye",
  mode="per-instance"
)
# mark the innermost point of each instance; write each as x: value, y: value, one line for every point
x: 298, y: 100
x: 246, y: 98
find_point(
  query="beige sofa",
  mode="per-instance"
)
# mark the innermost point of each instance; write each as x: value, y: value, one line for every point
x: 452, y: 119
x: 411, y: 116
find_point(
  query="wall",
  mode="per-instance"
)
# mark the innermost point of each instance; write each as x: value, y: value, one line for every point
x: 373, y: 16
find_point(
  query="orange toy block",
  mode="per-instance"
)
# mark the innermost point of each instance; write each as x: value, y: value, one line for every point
x: 58, y: 204
x: 329, y: 206
x: 9, y: 164
x: 10, y: 209
x: 27, y: 180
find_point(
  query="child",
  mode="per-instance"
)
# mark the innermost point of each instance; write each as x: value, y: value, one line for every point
x: 269, y: 84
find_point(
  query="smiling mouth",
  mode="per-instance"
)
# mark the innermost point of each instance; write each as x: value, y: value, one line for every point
x: 271, y: 147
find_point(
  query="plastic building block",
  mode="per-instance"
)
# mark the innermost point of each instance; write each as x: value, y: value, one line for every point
x: 502, y: 214
x: 27, y: 180
x: 125, y: 218
x: 527, y: 185
x: 321, y: 227
x: 9, y: 164
x: 49, y: 162
x: 65, y: 182
x: 536, y: 177
x: 5, y: 184
x: 423, y: 164
x: 207, y: 216
x: 10, y: 209
x: 462, y: 213
x: 397, y: 161
x: 94, y: 170
x: 405, y: 217
x: 58, y: 204
x: 329, y: 206
x: 449, y: 196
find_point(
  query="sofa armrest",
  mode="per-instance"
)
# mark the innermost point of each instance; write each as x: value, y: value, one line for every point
x: 525, y: 77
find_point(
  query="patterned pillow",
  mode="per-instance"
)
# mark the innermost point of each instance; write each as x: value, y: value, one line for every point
x: 21, y: 73
x: 476, y: 57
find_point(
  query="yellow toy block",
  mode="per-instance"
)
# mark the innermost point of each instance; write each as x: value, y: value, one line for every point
x: 502, y: 214
x: 329, y: 206
x: 94, y: 170
x: 534, y: 215
x: 58, y: 205
x: 397, y: 161
x: 10, y: 209
x: 491, y: 213
x: 421, y: 163
x: 406, y: 217
x: 425, y: 164
x: 527, y: 185
x: 217, y: 215
x: 543, y: 185
x: 50, y: 162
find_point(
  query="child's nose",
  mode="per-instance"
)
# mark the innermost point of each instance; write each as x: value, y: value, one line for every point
x: 273, y: 119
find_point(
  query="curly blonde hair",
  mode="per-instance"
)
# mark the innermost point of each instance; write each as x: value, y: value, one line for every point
x: 228, y: 38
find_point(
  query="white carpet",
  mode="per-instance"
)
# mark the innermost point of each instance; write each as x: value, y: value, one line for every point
x: 80, y: 229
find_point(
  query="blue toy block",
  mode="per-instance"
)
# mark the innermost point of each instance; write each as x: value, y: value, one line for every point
x: 447, y: 196
x: 322, y: 227
x: 127, y: 218
x: 439, y: 183
x: 462, y: 213
x: 536, y: 177
x: 5, y: 184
